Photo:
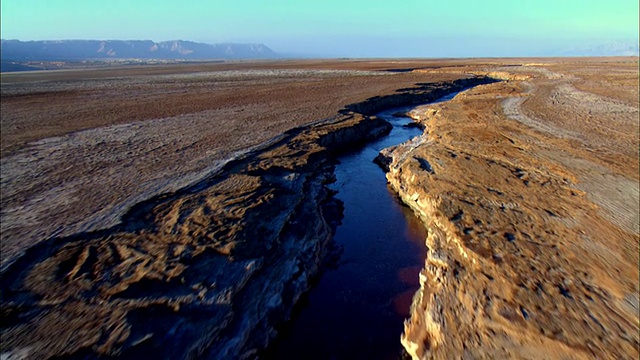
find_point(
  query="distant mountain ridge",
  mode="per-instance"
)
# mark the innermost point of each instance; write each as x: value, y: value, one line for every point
x: 70, y: 50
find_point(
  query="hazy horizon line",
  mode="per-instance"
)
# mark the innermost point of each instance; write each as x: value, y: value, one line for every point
x: 418, y: 48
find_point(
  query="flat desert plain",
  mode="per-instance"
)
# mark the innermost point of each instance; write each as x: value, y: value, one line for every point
x: 181, y: 210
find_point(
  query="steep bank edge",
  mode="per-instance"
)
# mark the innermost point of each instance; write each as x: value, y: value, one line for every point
x: 206, y: 270
x: 511, y: 243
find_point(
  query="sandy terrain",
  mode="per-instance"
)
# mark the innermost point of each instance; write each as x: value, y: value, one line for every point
x: 529, y: 189
x: 531, y: 200
x: 142, y: 133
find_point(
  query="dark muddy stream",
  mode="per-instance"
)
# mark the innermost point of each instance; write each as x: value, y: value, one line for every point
x: 356, y: 311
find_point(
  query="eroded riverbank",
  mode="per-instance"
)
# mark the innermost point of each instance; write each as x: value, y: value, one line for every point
x: 205, y: 271
x: 356, y: 310
x: 529, y: 188
x: 521, y: 263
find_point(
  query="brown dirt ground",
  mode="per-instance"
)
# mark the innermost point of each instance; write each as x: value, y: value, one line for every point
x: 81, y: 147
x: 548, y: 158
x: 532, y: 207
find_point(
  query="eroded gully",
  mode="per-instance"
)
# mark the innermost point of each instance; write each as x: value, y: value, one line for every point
x: 357, y: 310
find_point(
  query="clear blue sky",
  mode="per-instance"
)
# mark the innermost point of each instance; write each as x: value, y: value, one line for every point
x: 337, y: 27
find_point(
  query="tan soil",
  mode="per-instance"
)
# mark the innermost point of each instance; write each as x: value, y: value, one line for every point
x: 531, y: 199
x: 78, y: 151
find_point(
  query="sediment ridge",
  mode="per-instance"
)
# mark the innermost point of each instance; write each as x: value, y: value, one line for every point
x: 205, y: 271
x: 521, y: 263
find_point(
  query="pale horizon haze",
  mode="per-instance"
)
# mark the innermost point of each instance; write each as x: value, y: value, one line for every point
x: 333, y: 28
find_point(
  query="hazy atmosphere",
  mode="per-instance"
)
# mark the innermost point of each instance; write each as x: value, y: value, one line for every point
x: 332, y: 28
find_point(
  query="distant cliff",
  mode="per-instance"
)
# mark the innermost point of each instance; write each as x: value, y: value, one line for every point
x: 75, y: 50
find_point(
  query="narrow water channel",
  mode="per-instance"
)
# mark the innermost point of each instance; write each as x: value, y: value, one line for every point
x: 357, y: 310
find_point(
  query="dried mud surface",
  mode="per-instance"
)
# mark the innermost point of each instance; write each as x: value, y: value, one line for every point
x: 529, y: 190
x: 79, y: 150
x: 186, y: 205
x: 206, y: 270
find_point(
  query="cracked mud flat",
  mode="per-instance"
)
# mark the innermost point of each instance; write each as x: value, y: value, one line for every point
x: 533, y: 240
